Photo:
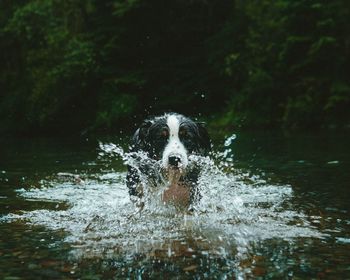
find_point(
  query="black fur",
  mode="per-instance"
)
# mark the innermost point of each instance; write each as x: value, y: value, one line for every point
x: 150, y: 138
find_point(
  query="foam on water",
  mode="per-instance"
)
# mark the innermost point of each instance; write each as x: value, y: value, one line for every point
x: 99, y: 218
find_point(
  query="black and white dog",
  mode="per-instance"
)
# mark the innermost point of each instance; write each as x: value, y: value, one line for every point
x: 168, y: 141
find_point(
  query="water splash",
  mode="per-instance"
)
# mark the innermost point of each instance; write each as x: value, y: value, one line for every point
x: 236, y: 210
x: 229, y: 140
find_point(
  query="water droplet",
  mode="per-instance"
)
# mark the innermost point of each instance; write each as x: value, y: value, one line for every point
x: 229, y: 140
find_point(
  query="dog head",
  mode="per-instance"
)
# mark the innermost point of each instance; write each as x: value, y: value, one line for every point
x: 171, y: 138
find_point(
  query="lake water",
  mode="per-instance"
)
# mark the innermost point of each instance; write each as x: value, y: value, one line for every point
x: 273, y: 206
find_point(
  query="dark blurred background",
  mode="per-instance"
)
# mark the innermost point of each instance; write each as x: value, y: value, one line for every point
x: 80, y: 66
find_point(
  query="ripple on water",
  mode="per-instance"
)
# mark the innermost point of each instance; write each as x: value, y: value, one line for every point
x: 236, y: 209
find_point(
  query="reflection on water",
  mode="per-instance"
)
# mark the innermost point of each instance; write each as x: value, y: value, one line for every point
x: 234, y: 229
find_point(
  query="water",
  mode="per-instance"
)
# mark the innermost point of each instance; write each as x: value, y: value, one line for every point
x: 273, y: 206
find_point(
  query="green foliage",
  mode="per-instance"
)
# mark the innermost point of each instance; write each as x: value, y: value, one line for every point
x: 72, y: 65
x: 54, y: 63
x: 292, y: 64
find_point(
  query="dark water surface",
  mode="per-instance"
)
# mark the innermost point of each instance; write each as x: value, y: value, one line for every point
x: 282, y: 213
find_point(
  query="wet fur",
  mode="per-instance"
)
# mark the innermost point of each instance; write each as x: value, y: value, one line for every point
x: 147, y: 139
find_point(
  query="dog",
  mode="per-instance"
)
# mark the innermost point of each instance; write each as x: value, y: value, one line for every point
x: 167, y: 143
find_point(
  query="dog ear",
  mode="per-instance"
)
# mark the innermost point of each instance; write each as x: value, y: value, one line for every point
x: 204, y: 139
x: 139, y: 138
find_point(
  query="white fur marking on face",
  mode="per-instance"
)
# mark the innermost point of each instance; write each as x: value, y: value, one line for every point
x: 173, y: 124
x: 174, y: 146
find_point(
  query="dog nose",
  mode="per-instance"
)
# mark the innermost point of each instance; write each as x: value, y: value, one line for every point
x: 174, y: 161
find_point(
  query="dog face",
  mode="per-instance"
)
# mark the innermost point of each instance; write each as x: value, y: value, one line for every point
x: 171, y: 138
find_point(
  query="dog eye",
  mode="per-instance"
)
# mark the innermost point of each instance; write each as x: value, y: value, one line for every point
x: 183, y: 133
x: 164, y: 133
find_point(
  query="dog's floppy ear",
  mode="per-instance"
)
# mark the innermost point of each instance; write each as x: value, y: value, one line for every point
x: 204, y: 139
x: 139, y: 138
